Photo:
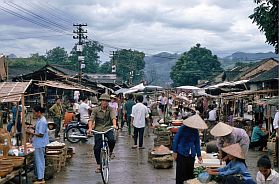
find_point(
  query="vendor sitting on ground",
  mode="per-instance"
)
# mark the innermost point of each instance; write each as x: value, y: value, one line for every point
x: 236, y: 171
x: 259, y: 137
x: 266, y: 174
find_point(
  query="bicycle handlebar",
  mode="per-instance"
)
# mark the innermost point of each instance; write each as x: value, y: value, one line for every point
x: 96, y: 132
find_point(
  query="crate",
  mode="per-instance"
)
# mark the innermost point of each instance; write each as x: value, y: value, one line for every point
x: 56, y: 161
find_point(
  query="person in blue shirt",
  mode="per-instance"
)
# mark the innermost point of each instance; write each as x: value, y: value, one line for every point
x: 236, y: 171
x: 186, y: 145
x: 39, y: 141
x: 15, y: 107
x: 259, y: 137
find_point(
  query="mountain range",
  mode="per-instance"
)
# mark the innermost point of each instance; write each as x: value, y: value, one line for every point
x: 158, y: 67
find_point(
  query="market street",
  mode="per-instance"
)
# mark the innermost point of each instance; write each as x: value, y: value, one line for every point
x: 129, y: 166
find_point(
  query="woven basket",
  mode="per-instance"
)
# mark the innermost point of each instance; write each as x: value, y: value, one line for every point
x: 10, y: 167
x: 4, y: 172
x: 17, y: 161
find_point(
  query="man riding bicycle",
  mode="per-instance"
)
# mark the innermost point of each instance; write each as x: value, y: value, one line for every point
x: 102, y: 119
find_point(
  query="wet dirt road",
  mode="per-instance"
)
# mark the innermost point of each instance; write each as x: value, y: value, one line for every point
x: 129, y: 167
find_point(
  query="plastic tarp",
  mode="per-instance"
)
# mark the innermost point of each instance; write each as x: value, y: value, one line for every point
x: 188, y: 87
x: 138, y: 87
x: 227, y: 84
x: 151, y: 87
x: 122, y: 90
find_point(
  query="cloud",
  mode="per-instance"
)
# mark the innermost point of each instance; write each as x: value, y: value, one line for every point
x: 149, y: 26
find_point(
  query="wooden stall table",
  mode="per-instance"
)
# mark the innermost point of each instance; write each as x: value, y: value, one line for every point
x: 28, y: 164
x: 12, y: 175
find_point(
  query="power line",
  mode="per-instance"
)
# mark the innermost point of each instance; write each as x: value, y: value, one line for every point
x: 29, y: 20
x: 48, y: 11
x: 36, y: 16
x: 30, y: 37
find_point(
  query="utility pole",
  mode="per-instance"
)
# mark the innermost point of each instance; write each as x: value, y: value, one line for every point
x: 80, y: 36
x: 113, y: 65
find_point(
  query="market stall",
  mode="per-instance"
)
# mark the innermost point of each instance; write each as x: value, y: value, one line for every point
x: 22, y: 154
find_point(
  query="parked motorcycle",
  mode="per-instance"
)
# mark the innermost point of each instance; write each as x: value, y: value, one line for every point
x: 75, y: 132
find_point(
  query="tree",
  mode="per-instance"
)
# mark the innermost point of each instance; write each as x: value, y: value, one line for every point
x: 90, y: 52
x: 105, y: 68
x: 196, y: 64
x: 129, y: 65
x: 266, y: 17
x: 57, y: 55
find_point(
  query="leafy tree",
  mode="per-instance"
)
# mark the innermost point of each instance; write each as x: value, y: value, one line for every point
x: 196, y: 64
x: 34, y: 62
x: 266, y: 17
x: 57, y: 55
x: 105, y: 68
x: 244, y: 64
x: 90, y: 52
x: 129, y: 65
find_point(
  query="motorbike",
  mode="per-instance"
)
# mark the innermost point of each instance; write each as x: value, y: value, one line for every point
x: 76, y: 132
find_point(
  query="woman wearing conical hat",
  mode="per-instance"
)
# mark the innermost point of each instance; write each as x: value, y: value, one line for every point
x: 227, y: 135
x: 186, y: 145
x: 236, y: 171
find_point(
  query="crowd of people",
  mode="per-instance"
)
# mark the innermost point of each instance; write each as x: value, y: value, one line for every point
x: 137, y: 113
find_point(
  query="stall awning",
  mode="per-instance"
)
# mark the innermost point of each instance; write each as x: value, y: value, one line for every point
x: 60, y: 85
x: 12, y: 91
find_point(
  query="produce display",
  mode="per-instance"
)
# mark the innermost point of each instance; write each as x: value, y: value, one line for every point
x: 161, y: 150
x: 56, y: 145
x: 199, y: 170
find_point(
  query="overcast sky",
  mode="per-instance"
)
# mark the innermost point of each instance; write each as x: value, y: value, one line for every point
x: 151, y: 26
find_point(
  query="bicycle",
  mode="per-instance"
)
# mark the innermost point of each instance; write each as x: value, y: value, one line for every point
x: 104, y: 156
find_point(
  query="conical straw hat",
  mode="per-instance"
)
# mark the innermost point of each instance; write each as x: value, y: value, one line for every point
x: 195, y: 122
x: 221, y: 129
x: 234, y: 150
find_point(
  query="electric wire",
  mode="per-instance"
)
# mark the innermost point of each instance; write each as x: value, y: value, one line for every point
x: 36, y: 16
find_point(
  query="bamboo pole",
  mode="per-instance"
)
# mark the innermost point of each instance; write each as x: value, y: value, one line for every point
x: 41, y: 100
x: 23, y: 125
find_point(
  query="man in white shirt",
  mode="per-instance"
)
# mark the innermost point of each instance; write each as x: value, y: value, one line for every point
x: 276, y: 123
x: 76, y: 96
x: 84, y: 110
x: 212, y: 115
x: 114, y: 105
x: 276, y: 127
x: 138, y: 118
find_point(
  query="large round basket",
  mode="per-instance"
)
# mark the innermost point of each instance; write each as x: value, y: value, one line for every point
x: 10, y: 167
x: 17, y: 161
x: 161, y: 154
x: 4, y: 172
x: 5, y: 161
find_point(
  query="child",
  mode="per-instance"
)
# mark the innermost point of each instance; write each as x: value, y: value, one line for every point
x: 266, y: 175
x: 236, y: 171
x: 51, y: 131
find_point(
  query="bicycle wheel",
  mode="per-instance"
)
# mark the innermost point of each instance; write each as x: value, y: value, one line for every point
x: 71, y: 133
x: 105, y: 166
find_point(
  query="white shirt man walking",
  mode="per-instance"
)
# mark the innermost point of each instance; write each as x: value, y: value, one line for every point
x: 84, y: 110
x: 138, y: 115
